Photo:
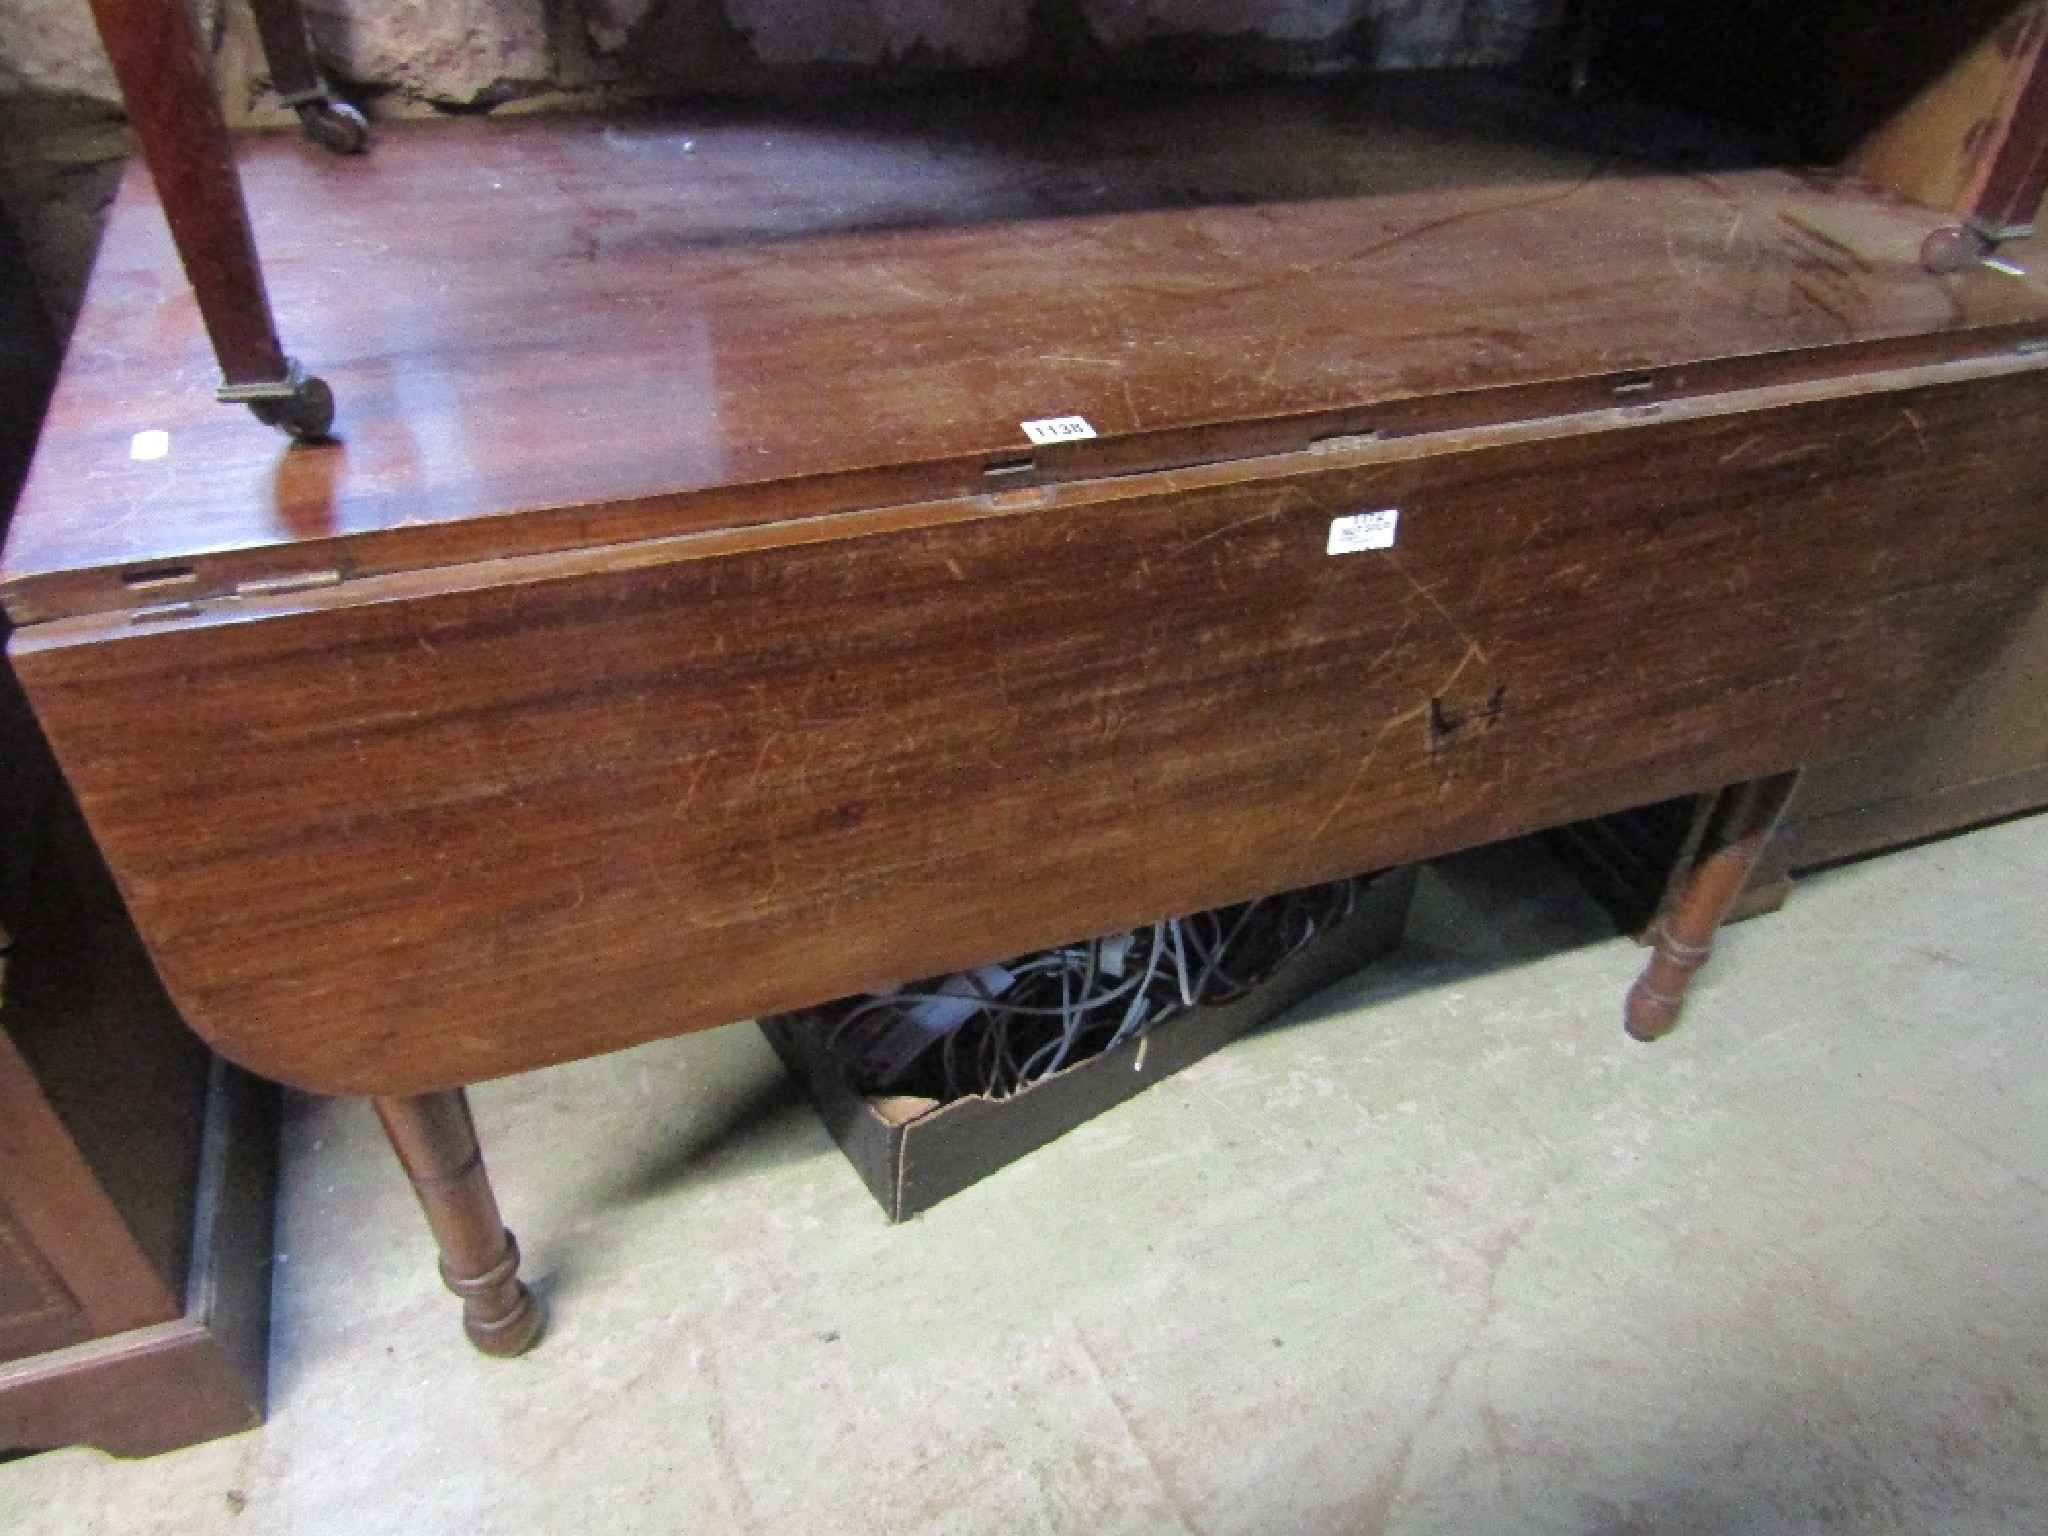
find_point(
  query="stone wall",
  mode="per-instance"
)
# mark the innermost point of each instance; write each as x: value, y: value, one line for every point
x: 477, y: 53
x: 50, y: 45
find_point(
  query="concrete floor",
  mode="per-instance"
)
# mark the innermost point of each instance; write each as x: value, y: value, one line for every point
x: 1445, y: 1254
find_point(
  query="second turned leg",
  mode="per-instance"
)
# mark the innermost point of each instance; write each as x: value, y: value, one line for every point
x: 435, y: 1139
x: 1684, y: 938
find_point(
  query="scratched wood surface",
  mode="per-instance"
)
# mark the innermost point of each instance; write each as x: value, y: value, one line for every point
x: 550, y: 335
x: 418, y: 830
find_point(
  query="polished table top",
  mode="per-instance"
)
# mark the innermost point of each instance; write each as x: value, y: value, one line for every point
x: 551, y: 335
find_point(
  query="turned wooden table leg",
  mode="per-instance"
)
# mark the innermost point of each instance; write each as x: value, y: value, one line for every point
x: 162, y: 66
x: 1685, y: 937
x: 436, y: 1141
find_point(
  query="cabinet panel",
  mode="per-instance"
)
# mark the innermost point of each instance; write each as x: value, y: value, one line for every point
x: 36, y: 1312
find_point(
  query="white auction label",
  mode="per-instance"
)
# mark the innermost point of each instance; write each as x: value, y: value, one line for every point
x: 1059, y: 429
x: 1363, y: 530
x: 153, y: 444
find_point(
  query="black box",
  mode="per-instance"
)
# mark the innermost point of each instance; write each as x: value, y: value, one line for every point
x: 914, y: 1152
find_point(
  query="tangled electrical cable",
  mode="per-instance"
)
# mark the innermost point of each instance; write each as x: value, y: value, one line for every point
x: 998, y: 1029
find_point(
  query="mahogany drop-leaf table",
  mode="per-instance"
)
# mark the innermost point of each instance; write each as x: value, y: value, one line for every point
x: 694, y: 616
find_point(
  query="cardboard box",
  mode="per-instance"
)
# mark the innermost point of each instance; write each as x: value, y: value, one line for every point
x: 914, y: 1152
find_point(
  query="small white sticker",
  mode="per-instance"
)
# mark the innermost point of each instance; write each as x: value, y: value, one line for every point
x: 1059, y: 429
x: 153, y: 444
x: 1363, y: 530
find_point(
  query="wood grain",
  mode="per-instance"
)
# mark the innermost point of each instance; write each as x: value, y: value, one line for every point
x: 36, y: 1311
x: 102, y: 1091
x: 1985, y: 756
x: 410, y: 832
x: 548, y: 336
x: 65, y: 1231
x: 201, y: 1374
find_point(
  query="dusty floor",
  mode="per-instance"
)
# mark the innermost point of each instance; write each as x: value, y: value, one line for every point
x: 1446, y: 1254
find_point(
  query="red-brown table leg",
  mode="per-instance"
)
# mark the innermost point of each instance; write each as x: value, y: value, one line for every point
x: 161, y: 64
x: 436, y: 1141
x: 1685, y: 937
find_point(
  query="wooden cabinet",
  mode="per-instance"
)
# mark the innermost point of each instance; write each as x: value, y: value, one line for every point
x: 135, y: 1173
x: 1984, y: 757
x: 36, y: 1312
x: 135, y: 1182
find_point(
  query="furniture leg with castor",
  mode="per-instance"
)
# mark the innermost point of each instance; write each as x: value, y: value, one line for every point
x: 161, y: 64
x: 288, y: 52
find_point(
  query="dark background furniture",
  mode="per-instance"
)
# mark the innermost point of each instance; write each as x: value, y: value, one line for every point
x: 136, y: 1176
x: 135, y: 1170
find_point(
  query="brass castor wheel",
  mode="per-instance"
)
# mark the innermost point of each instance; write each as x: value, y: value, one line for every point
x: 307, y: 414
x: 1953, y: 249
x: 335, y: 126
x: 300, y: 404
